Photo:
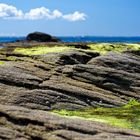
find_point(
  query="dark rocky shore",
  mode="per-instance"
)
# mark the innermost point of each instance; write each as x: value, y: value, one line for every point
x: 30, y: 86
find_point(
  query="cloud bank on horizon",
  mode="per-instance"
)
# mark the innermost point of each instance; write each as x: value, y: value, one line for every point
x: 11, y: 12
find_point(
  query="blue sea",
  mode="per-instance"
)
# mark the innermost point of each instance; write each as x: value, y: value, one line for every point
x: 84, y: 39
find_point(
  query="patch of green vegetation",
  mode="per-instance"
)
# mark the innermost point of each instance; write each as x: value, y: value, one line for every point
x: 11, y: 58
x: 127, y: 116
x: 2, y: 62
x: 103, y: 48
x: 41, y: 50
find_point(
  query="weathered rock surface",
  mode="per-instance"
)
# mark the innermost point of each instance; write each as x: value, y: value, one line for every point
x: 41, y: 37
x: 27, y: 124
x: 70, y: 80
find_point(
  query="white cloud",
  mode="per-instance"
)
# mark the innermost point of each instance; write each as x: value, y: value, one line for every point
x: 42, y: 13
x: 75, y: 16
x: 37, y: 13
x: 11, y: 12
x: 57, y: 14
x: 8, y: 11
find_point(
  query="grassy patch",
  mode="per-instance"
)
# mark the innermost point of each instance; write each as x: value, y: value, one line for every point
x: 41, y: 50
x: 127, y: 116
x: 2, y: 62
x: 103, y: 48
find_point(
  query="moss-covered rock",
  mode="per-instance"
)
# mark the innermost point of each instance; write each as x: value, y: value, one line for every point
x: 22, y: 123
x: 2, y: 62
x: 69, y: 79
x: 103, y: 48
x: 127, y: 116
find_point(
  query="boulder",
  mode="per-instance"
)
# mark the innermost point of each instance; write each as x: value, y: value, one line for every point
x: 41, y: 37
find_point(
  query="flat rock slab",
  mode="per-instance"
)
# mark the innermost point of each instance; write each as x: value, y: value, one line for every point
x: 27, y: 124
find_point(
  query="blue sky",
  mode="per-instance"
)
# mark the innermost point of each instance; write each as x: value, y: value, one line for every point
x: 70, y: 18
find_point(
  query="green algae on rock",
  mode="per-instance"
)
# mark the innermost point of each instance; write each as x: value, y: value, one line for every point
x: 127, y: 116
x: 31, y: 124
x: 102, y: 48
x: 40, y: 50
x: 74, y: 80
x: 2, y: 62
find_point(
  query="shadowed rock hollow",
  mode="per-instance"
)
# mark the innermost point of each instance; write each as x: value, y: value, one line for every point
x: 68, y: 80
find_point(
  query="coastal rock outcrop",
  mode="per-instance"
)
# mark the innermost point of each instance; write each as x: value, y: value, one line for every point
x: 32, y: 85
x: 70, y: 80
x: 28, y: 124
x: 41, y: 37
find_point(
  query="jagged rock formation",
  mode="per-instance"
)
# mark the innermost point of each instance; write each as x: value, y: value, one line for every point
x: 68, y: 80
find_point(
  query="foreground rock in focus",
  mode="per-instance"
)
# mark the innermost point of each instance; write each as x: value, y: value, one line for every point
x: 27, y: 124
x: 69, y: 80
